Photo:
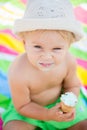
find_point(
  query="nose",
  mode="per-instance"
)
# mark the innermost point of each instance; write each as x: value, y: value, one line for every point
x: 47, y: 55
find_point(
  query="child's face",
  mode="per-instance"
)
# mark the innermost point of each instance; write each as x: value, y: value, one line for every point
x: 45, y: 49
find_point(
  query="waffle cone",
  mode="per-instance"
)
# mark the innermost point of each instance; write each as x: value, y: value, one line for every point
x: 66, y: 108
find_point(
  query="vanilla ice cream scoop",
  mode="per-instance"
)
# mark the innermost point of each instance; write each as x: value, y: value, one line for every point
x: 68, y: 101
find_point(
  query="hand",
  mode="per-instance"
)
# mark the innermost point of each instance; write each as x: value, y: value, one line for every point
x: 56, y: 114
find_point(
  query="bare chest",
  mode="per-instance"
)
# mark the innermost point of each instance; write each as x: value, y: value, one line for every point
x: 45, y: 89
x: 39, y: 82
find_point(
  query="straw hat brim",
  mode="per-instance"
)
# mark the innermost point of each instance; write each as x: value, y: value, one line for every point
x: 74, y: 26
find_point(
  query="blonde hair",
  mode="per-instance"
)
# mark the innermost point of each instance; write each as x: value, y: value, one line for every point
x: 68, y: 36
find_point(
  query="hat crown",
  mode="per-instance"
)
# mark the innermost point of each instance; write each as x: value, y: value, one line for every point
x: 48, y: 9
x: 49, y: 14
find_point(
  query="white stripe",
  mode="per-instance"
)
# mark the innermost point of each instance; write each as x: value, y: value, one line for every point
x: 84, y: 91
x: 82, y: 45
x: 17, y: 11
x: 8, y: 15
x: 1, y: 110
x: 84, y: 6
x: 7, y: 57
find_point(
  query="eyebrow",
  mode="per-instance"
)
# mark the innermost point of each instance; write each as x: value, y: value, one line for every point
x: 56, y: 46
x: 34, y: 42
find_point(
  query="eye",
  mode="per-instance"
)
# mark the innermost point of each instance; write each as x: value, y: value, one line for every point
x: 37, y: 46
x: 57, y: 48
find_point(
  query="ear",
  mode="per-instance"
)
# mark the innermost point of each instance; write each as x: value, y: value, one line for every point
x: 20, y: 37
x: 24, y: 44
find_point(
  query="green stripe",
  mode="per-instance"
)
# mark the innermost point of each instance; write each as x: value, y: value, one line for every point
x: 4, y: 101
x: 5, y: 26
x: 4, y: 65
x: 4, y: 1
x: 85, y: 28
x: 78, y: 53
x: 14, y: 2
x: 77, y: 2
x: 18, y: 4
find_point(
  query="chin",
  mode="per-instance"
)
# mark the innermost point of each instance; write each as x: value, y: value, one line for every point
x: 46, y: 69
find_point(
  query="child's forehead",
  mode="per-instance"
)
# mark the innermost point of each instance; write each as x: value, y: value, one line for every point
x: 44, y: 34
x: 45, y: 37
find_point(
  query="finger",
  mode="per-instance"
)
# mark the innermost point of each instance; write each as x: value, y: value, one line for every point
x: 72, y: 113
x: 61, y: 119
x: 69, y: 113
x: 60, y: 112
x: 66, y: 119
x: 69, y: 118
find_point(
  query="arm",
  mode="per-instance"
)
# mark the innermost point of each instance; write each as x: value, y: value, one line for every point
x: 72, y: 82
x: 22, y: 100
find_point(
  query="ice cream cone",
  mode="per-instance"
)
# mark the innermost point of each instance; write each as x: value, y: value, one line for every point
x: 68, y: 101
x: 66, y: 108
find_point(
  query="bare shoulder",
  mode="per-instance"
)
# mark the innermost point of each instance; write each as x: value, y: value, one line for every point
x: 71, y: 61
x: 17, y: 68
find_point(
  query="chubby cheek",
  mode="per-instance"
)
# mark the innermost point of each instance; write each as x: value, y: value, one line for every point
x: 60, y: 58
x: 32, y: 57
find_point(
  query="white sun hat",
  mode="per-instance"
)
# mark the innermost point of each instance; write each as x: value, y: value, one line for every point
x: 50, y: 15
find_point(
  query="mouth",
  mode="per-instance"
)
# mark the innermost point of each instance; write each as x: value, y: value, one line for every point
x: 46, y: 64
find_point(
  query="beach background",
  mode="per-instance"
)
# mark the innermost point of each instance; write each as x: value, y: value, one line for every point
x: 10, y: 46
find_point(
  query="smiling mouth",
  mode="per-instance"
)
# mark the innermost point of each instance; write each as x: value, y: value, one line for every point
x: 46, y: 64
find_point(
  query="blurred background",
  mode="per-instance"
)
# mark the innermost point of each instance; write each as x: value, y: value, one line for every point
x: 10, y: 46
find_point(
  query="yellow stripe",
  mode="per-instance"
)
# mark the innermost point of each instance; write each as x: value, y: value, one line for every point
x: 82, y: 73
x: 7, y: 10
x: 11, y: 42
x: 4, y: 18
